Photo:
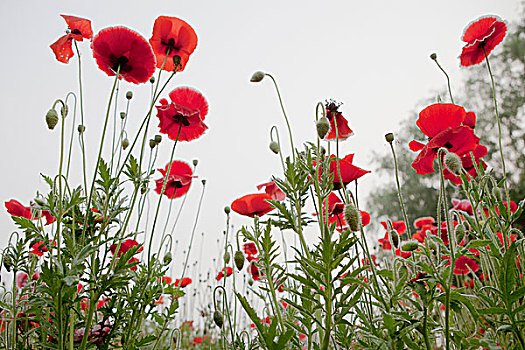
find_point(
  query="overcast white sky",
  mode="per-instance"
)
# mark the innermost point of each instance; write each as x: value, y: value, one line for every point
x: 371, y: 55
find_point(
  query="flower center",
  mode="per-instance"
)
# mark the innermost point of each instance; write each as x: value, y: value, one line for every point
x: 76, y: 31
x: 181, y: 119
x: 122, y: 61
x: 170, y: 46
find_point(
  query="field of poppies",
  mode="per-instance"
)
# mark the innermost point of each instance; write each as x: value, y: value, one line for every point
x: 92, y: 267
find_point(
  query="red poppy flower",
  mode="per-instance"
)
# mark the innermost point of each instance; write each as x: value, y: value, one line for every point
x: 423, y: 221
x: 183, y: 118
x: 513, y: 207
x: 124, y: 247
x: 132, y: 261
x: 444, y: 232
x: 220, y: 275
x: 403, y: 254
x: 481, y: 36
x: 385, y: 242
x: 507, y: 244
x: 250, y: 248
x: 254, y: 271
x: 399, y: 226
x: 173, y: 37
x: 197, y: 340
x: 250, y: 258
x: 335, y: 213
x: 462, y: 264
x: 183, y: 283
x: 334, y: 116
x: 122, y: 47
x: 349, y: 172
x: 253, y: 204
x: 21, y: 279
x: 463, y: 204
x: 273, y: 190
x: 466, y: 161
x: 178, y: 181
x: 79, y: 28
x: 15, y: 208
x: 166, y: 279
x: 39, y: 248
x: 442, y: 123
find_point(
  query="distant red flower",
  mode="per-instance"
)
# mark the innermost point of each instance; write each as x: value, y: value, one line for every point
x: 166, y: 279
x: 399, y: 226
x: 349, y: 172
x: 420, y: 276
x: 220, y: 275
x: 39, y: 248
x: 273, y: 190
x: 15, y: 208
x: 513, y: 207
x: 122, y: 47
x: 21, y: 279
x: 442, y: 123
x: 183, y: 283
x: 254, y: 271
x: 385, y: 242
x: 462, y: 264
x: 481, y: 36
x: 183, y: 118
x: 403, y: 254
x: 250, y: 248
x: 197, y: 340
x: 79, y: 28
x: 172, y: 36
x: 178, y: 181
x: 444, y: 235
x: 253, y: 204
x: 423, y: 221
x: 463, y: 204
x: 507, y: 243
x: 335, y: 117
x: 124, y: 247
x: 49, y: 218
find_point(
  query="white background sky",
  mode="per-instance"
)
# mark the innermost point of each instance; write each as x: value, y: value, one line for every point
x: 371, y: 55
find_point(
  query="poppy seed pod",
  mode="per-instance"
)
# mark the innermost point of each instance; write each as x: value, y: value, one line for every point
x: 144, y: 188
x: 122, y: 115
x: 176, y: 60
x: 389, y: 137
x: 217, y: 318
x: 81, y: 128
x: 158, y: 139
x: 352, y: 217
x: 152, y: 79
x: 453, y: 163
x: 395, y: 238
x: 152, y: 143
x: 125, y: 143
x: 51, y: 119
x: 195, y: 162
x: 323, y: 126
x: 8, y: 262
x: 257, y: 77
x: 410, y: 246
x: 227, y: 209
x: 238, y: 259
x: 129, y: 95
x: 227, y: 257
x: 433, y: 56
x: 274, y: 147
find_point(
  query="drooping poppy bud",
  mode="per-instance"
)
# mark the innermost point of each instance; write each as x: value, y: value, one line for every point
x: 410, y: 246
x: 395, y: 238
x: 125, y: 143
x: 217, y: 318
x: 227, y: 257
x: 352, y: 217
x: 459, y: 231
x: 167, y: 258
x: 496, y: 193
x: 274, y: 147
x: 453, y: 163
x: 238, y: 258
x: 51, y: 119
x: 323, y: 126
x: 257, y: 77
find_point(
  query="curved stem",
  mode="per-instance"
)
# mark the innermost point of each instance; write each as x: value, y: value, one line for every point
x: 399, y: 195
x: 448, y: 80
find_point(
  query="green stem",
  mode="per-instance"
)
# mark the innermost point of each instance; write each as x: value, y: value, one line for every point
x: 448, y: 80
x: 81, y: 115
x: 399, y: 195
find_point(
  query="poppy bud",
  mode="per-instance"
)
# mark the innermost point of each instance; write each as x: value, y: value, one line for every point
x: 459, y: 231
x: 81, y: 128
x: 217, y: 318
x: 352, y: 217
x: 402, y: 272
x: 203, y: 182
x: 129, y: 95
x: 158, y: 139
x: 250, y: 282
x: 195, y: 162
x: 389, y: 137
x: 152, y: 143
x: 152, y: 79
x: 125, y: 143
x: 395, y: 238
x: 167, y: 258
x: 227, y: 257
x: 227, y: 209
x: 410, y: 246
x: 433, y: 56
x: 453, y: 163
x: 323, y: 126
x: 274, y: 146
x: 176, y: 61
x: 51, y: 119
x: 8, y: 263
x: 496, y: 193
x: 238, y: 258
x: 144, y: 188
x: 257, y: 77
x: 122, y: 115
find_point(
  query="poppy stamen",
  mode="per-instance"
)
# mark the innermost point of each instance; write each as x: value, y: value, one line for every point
x: 120, y: 62
x: 182, y: 119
